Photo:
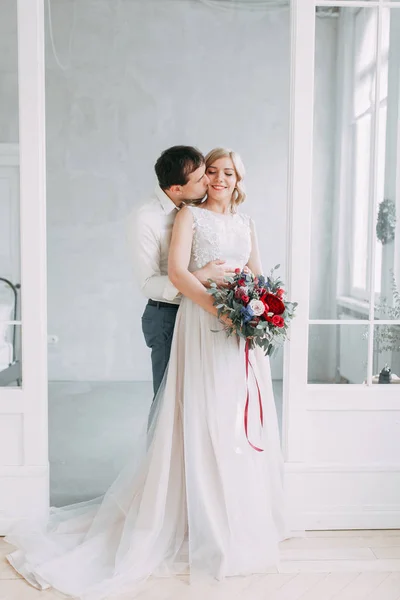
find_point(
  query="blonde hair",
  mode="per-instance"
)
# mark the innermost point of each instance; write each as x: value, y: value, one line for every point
x: 239, y: 194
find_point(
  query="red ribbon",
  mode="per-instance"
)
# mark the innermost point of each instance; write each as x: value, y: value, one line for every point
x: 246, y: 408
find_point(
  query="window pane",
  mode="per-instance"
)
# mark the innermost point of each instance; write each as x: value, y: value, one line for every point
x: 387, y: 352
x: 10, y: 339
x: 361, y: 181
x: 9, y: 170
x: 337, y: 353
x: 387, y: 239
x: 10, y: 355
x: 342, y: 216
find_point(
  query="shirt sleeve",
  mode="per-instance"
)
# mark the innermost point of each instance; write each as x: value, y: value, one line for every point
x: 148, y: 251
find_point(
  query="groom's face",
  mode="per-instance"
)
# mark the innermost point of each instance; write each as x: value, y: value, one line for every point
x: 196, y: 187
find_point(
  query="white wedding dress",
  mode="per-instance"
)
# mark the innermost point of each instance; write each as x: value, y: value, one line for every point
x: 201, y: 499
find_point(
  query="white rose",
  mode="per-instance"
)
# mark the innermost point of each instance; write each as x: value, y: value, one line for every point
x: 257, y: 307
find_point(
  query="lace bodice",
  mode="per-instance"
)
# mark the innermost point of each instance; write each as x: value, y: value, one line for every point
x: 217, y: 236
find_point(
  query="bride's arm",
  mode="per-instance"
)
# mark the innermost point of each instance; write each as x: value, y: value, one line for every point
x: 178, y: 262
x: 254, y: 262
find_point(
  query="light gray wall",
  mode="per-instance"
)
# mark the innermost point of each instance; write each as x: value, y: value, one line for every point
x: 142, y: 76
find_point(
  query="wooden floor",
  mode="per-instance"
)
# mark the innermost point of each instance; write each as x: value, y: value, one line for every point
x: 324, y: 565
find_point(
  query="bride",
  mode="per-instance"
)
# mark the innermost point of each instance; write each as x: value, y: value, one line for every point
x: 201, y: 498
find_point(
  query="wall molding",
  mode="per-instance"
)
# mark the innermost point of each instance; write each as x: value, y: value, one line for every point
x: 341, y: 518
x: 332, y: 496
x: 329, y: 468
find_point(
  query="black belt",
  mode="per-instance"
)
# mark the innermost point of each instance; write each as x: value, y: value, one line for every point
x: 162, y: 304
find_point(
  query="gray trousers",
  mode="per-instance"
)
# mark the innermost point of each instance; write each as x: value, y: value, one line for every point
x: 158, y: 326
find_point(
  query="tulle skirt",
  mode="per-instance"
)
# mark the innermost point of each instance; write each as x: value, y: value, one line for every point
x: 197, y: 497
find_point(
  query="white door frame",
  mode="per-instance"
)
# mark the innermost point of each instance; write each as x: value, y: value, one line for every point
x: 338, y: 476
x: 328, y: 493
x: 24, y: 473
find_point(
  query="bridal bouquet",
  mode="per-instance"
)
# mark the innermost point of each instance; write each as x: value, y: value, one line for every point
x: 257, y: 308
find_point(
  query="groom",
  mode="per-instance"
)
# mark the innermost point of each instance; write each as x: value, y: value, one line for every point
x: 181, y: 178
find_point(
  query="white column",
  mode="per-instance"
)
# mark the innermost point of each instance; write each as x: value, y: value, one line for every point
x: 299, y: 211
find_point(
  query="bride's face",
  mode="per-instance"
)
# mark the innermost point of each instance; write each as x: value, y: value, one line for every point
x: 222, y: 179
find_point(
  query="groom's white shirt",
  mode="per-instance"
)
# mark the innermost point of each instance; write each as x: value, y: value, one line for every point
x: 150, y: 235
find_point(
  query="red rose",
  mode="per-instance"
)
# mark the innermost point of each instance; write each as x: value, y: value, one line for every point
x: 280, y: 292
x: 245, y: 299
x: 275, y: 304
x: 241, y: 282
x: 237, y: 271
x: 240, y: 292
x: 278, y: 321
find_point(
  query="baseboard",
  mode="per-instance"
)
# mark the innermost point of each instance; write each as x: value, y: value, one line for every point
x: 360, y: 517
x: 327, y: 468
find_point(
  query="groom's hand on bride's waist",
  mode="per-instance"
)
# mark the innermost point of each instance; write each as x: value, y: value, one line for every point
x: 216, y: 270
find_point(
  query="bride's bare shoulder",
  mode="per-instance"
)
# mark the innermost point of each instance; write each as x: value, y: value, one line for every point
x: 185, y: 215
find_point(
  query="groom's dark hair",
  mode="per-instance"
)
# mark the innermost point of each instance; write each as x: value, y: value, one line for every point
x: 176, y: 164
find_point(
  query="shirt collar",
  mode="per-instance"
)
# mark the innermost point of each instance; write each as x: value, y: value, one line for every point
x: 167, y: 205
